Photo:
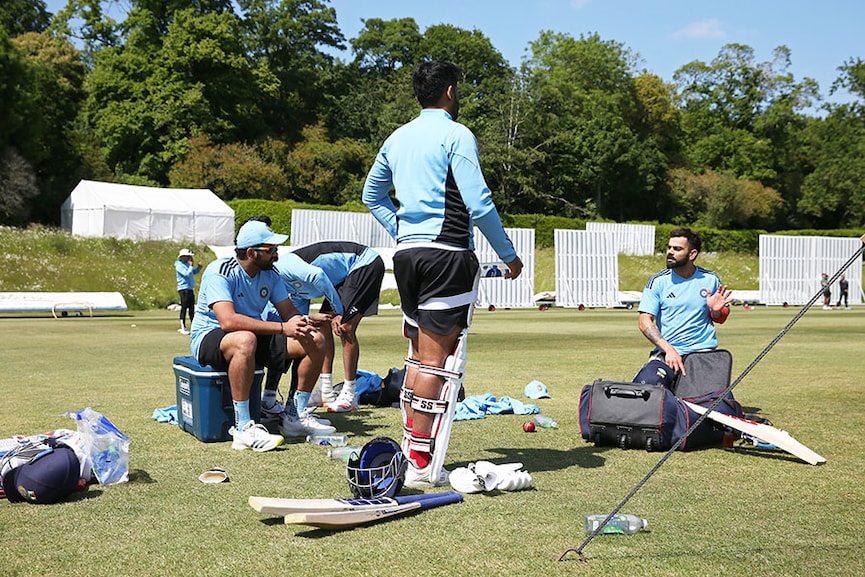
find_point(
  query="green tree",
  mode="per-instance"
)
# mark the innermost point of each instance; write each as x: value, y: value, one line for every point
x: 20, y: 16
x: 286, y: 41
x: 747, y: 117
x: 45, y: 88
x: 230, y: 170
x: 144, y: 105
x: 386, y: 45
x: 325, y: 172
x: 723, y: 201
x: 833, y: 195
x: 593, y: 160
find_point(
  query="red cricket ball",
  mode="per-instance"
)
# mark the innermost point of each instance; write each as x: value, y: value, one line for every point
x: 529, y: 427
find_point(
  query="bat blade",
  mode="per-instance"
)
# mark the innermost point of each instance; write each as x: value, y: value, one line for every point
x: 781, y: 439
x: 282, y: 507
x: 349, y: 519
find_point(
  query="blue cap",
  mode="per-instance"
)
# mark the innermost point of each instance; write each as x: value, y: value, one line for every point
x: 256, y: 233
x: 537, y: 390
x: 48, y: 478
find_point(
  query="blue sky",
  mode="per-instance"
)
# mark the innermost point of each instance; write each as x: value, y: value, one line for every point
x: 666, y: 34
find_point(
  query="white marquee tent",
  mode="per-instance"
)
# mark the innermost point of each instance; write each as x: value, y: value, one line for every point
x: 104, y: 209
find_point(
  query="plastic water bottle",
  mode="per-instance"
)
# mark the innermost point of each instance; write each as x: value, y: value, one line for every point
x: 342, y: 453
x: 618, y: 525
x: 334, y: 440
x: 546, y: 422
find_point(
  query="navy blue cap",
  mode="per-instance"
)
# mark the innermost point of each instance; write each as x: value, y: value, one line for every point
x: 48, y: 478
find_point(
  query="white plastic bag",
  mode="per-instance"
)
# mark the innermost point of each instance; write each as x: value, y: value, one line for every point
x: 105, y: 445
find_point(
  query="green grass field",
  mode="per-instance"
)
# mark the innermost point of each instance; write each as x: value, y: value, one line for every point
x: 740, y: 512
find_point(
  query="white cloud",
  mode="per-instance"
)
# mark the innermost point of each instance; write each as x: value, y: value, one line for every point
x: 701, y: 29
x: 579, y: 4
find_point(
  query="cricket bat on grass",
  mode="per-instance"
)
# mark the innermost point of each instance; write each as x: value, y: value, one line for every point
x: 768, y: 433
x: 352, y: 518
x: 282, y: 507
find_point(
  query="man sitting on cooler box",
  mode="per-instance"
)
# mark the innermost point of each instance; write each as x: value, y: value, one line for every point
x: 229, y: 334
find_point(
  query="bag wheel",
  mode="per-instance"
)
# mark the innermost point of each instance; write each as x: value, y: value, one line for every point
x: 649, y: 444
x: 623, y: 442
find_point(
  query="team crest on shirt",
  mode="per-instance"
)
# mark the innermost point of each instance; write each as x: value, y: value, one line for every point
x: 264, y: 292
x: 704, y: 292
x: 297, y: 284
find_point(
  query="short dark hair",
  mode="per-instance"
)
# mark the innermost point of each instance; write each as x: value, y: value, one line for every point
x: 430, y: 79
x: 693, y: 237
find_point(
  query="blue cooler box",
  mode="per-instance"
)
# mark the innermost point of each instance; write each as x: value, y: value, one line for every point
x: 204, y: 406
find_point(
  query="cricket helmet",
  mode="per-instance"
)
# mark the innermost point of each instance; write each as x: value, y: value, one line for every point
x: 377, y: 470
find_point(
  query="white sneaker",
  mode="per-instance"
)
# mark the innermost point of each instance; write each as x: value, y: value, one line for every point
x: 420, y: 478
x: 272, y: 413
x: 309, y: 412
x: 183, y: 331
x: 303, y: 426
x: 329, y: 398
x: 315, y: 397
x: 254, y: 436
x: 344, y: 403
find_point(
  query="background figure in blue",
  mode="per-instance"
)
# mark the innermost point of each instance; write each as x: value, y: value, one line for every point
x: 679, y: 309
x: 348, y: 275
x: 432, y: 164
x: 186, y: 286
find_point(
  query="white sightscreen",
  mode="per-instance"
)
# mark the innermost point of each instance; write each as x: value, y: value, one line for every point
x: 587, y: 269
x: 309, y: 226
x: 496, y: 290
x: 790, y: 267
x: 630, y: 239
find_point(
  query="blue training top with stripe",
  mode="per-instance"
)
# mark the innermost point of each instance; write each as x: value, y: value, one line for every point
x: 225, y: 280
x: 315, y: 270
x: 433, y: 164
x: 680, y: 310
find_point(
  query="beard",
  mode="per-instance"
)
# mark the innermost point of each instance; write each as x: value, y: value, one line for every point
x: 674, y: 263
x: 265, y: 262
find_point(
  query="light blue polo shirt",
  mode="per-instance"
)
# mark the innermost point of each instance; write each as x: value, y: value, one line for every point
x: 225, y: 280
x: 680, y: 310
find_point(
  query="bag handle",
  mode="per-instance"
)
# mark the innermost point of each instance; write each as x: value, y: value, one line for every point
x: 612, y: 391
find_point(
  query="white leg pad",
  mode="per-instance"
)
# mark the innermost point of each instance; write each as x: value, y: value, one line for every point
x: 447, y: 403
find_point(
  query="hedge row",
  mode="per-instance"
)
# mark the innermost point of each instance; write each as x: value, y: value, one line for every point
x: 714, y: 240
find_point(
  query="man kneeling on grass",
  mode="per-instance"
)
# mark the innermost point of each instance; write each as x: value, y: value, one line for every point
x: 228, y: 333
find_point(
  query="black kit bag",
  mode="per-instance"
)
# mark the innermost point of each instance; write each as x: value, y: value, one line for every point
x: 706, y: 372
x: 707, y: 375
x: 631, y: 415
x: 388, y: 393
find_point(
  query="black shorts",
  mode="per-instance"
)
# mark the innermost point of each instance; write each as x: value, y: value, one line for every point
x: 437, y: 287
x: 359, y: 291
x: 271, y: 351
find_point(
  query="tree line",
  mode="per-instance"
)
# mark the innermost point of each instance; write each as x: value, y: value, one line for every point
x: 246, y: 98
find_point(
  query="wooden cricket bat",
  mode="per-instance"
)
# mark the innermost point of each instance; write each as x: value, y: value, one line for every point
x: 768, y: 433
x: 353, y: 518
x: 282, y: 507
